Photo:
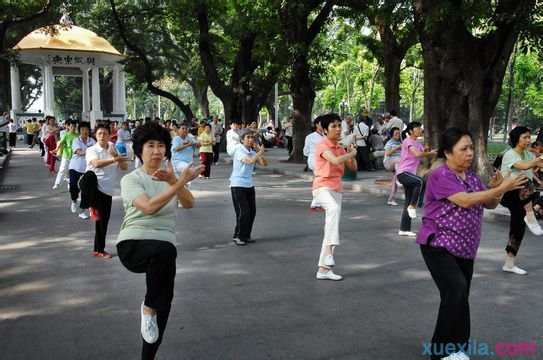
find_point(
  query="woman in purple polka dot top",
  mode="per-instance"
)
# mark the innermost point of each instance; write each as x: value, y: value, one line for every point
x: 451, y: 230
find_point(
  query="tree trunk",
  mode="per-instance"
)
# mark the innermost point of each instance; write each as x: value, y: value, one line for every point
x: 303, y: 97
x: 508, y: 106
x: 463, y: 96
x: 463, y: 74
x: 392, y: 70
x: 5, y: 87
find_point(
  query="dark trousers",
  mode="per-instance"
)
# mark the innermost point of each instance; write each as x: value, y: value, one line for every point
x: 216, y: 151
x: 206, y: 159
x: 156, y: 259
x: 74, y: 187
x: 414, y: 193
x: 517, y: 226
x: 363, y: 158
x: 29, y: 139
x: 12, y: 139
x: 289, y: 144
x: 452, y: 276
x: 42, y: 148
x: 245, y: 207
x: 103, y: 205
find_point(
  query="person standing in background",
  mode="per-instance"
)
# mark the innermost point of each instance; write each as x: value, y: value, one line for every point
x: 12, y: 130
x: 102, y: 159
x: 206, y: 140
x: 64, y: 149
x: 217, y: 130
x: 289, y: 130
x: 78, y: 164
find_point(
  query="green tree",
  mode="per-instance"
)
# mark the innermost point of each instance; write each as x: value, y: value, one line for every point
x: 466, y: 47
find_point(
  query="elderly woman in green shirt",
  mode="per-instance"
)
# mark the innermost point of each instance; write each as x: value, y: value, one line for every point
x: 145, y: 242
x: 519, y: 160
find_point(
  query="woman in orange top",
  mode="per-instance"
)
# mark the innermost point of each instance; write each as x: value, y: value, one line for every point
x: 330, y: 158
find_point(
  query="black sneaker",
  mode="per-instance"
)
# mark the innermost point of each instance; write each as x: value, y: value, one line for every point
x: 239, y: 242
x: 250, y: 241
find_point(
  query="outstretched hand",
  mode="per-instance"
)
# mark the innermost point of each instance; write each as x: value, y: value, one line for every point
x: 514, y: 182
x: 166, y: 175
x: 191, y: 172
x: 496, y: 180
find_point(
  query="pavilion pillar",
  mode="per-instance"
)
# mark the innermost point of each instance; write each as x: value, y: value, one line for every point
x: 48, y: 90
x: 85, y: 92
x: 96, y: 113
x: 119, y: 94
x: 15, y: 91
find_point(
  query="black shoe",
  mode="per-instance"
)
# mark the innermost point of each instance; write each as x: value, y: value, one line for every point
x: 239, y: 242
x: 250, y: 241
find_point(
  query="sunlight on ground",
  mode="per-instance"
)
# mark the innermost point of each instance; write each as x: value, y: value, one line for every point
x: 24, y: 288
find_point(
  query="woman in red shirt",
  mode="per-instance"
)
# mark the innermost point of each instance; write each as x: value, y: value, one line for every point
x: 330, y: 158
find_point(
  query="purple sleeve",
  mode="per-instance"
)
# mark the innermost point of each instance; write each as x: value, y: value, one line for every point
x: 443, y: 184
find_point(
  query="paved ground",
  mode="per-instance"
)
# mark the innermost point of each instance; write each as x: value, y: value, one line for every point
x: 258, y: 302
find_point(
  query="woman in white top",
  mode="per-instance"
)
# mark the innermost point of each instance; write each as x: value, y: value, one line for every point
x: 12, y: 129
x: 103, y: 160
x: 78, y: 164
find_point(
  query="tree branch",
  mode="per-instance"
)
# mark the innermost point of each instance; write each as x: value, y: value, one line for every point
x: 20, y: 20
x: 148, y: 72
x: 320, y: 20
x: 206, y: 56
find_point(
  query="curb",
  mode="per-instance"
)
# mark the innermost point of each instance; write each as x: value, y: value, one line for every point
x: 362, y: 188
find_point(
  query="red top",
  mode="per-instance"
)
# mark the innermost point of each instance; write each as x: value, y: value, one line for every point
x: 327, y: 174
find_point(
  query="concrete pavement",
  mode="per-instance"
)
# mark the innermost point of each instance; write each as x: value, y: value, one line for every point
x: 257, y: 302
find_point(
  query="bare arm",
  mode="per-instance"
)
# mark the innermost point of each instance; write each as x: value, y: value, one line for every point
x: 338, y: 160
x: 529, y: 164
x: 489, y: 198
x: 418, y: 153
x: 151, y: 205
x: 392, y: 150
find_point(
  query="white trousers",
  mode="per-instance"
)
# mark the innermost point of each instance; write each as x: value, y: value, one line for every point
x: 62, y: 170
x: 330, y: 201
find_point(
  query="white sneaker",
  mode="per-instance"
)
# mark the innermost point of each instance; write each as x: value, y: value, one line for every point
x: 149, y: 327
x: 73, y: 207
x: 329, y: 260
x: 461, y: 356
x: 407, y: 233
x: 515, y: 270
x: 452, y: 356
x: 83, y: 215
x: 533, y: 226
x: 412, y: 212
x: 392, y: 203
x: 54, y: 187
x: 329, y: 275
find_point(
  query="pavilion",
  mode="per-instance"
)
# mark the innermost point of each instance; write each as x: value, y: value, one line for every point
x: 69, y: 50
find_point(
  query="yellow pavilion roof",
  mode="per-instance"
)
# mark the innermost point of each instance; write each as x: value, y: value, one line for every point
x: 72, y: 38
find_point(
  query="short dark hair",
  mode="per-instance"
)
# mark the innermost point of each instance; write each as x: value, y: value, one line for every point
x: 537, y: 143
x: 393, y: 113
x: 449, y: 138
x: 393, y: 129
x: 316, y: 121
x: 207, y: 125
x: 151, y: 131
x: 67, y: 122
x: 101, y: 125
x: 84, y: 124
x: 328, y: 119
x: 514, y: 135
x: 412, y: 125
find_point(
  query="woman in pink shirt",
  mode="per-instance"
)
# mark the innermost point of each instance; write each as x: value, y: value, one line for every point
x: 411, y: 154
x: 330, y: 158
